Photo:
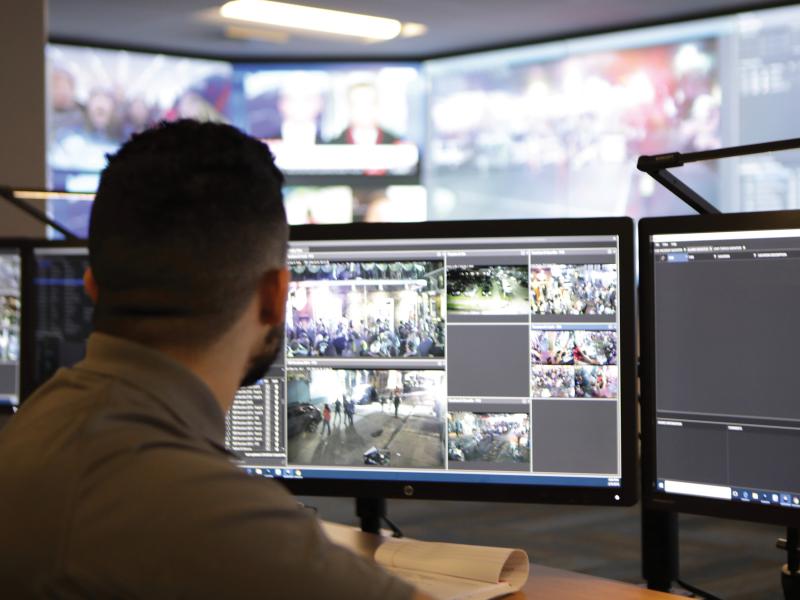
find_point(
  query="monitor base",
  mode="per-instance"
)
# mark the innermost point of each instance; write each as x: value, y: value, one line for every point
x: 371, y: 513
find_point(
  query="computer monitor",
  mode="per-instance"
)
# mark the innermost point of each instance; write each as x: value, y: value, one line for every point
x: 467, y: 361
x: 59, y: 319
x: 461, y: 360
x: 720, y: 420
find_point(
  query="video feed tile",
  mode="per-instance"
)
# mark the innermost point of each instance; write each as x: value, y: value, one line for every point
x: 487, y: 290
x: 574, y: 289
x: 575, y: 437
x: 488, y: 441
x: 552, y: 347
x: 486, y: 361
x: 596, y: 382
x: 551, y: 381
x: 595, y: 347
x: 366, y: 417
x: 366, y: 310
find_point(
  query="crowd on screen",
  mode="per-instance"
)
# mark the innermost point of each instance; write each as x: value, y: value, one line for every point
x: 423, y: 338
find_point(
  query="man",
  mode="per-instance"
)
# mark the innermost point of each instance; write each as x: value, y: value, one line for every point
x: 115, y: 481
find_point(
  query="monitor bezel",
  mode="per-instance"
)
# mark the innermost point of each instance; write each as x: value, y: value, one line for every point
x: 651, y: 496
x: 627, y: 493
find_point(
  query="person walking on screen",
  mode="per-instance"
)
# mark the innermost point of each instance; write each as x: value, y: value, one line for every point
x: 396, y: 402
x: 114, y: 464
x: 326, y: 420
x: 337, y: 409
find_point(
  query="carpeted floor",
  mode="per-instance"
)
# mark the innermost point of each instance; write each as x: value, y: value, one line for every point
x: 733, y: 560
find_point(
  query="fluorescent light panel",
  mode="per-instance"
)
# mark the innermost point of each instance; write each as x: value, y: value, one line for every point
x: 295, y: 16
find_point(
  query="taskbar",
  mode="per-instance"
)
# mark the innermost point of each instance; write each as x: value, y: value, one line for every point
x: 494, y: 478
x: 733, y: 494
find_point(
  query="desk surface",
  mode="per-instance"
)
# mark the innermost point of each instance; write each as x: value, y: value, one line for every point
x: 544, y: 582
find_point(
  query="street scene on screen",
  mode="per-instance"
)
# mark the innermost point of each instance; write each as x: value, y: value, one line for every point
x: 365, y: 417
x: 500, y: 289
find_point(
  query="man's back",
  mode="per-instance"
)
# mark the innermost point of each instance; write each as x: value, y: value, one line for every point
x: 115, y: 483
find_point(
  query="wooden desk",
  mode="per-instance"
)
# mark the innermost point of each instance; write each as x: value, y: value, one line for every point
x: 543, y: 583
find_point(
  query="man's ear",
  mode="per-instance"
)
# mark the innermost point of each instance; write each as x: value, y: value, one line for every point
x: 272, y: 292
x: 90, y: 284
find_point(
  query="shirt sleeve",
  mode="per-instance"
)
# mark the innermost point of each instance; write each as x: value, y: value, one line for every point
x: 204, y: 529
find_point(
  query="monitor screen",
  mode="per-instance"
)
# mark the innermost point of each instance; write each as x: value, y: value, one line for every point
x: 721, y: 424
x: 10, y: 318
x: 424, y: 358
x: 336, y: 118
x: 98, y: 97
x: 61, y: 318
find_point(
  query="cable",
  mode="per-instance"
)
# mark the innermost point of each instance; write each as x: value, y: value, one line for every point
x: 697, y: 591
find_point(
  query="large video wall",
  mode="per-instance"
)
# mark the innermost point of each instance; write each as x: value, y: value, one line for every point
x: 547, y: 130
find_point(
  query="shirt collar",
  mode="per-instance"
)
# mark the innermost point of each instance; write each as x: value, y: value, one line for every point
x: 178, y: 389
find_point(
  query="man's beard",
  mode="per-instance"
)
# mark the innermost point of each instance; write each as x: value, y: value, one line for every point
x: 261, y: 362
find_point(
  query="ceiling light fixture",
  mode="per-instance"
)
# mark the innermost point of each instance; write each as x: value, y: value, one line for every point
x: 295, y: 16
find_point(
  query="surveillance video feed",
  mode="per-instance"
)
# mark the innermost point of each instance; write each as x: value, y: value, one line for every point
x: 595, y: 347
x: 500, y: 289
x: 377, y: 418
x: 596, y: 382
x: 366, y: 310
x: 98, y: 98
x: 494, y: 439
x: 548, y: 381
x: 361, y: 119
x: 574, y: 289
x: 553, y: 347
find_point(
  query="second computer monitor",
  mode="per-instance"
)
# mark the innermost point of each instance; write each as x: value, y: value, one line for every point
x: 721, y: 419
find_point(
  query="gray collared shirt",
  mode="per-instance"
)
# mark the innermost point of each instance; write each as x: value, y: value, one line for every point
x: 115, y: 483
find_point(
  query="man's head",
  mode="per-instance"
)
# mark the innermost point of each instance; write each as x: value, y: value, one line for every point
x: 187, y: 238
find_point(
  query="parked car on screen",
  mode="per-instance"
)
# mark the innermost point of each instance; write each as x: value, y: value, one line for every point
x: 302, y: 417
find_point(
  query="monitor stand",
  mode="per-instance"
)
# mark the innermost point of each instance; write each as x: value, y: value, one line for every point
x: 790, y: 573
x: 371, y: 512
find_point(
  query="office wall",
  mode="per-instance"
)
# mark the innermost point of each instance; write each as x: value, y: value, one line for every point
x: 23, y: 32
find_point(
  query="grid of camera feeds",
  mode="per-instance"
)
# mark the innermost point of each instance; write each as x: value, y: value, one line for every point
x: 380, y: 354
x: 574, y: 363
x: 365, y: 310
x: 363, y: 417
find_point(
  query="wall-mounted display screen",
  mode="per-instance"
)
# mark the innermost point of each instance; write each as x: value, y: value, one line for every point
x: 97, y: 98
x: 544, y: 130
x: 345, y: 119
x: 555, y: 129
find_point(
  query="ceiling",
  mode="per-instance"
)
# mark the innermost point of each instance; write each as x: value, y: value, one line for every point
x: 185, y: 27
